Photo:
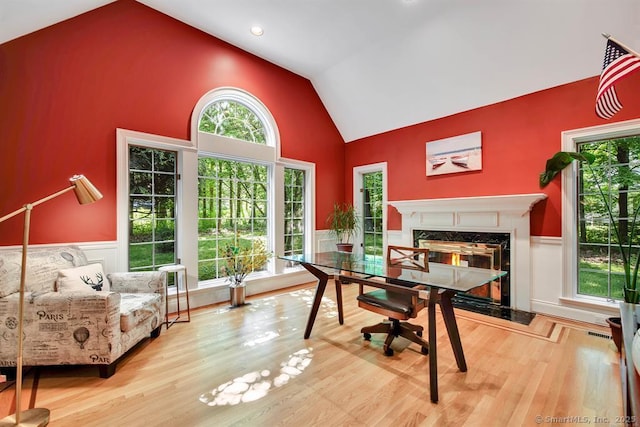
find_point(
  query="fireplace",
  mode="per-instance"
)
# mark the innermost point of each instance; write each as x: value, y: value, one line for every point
x: 472, y: 249
x: 490, y: 220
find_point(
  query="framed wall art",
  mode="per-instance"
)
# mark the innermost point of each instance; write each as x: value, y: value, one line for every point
x: 462, y: 153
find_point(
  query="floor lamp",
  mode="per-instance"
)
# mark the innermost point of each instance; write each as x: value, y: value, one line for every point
x: 86, y: 193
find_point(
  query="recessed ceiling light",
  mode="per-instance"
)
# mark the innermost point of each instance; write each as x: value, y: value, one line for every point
x: 257, y: 30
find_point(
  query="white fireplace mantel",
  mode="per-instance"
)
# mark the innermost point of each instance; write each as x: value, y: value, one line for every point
x: 504, y: 214
x: 514, y: 203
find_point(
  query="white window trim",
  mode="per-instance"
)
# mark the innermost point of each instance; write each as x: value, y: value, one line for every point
x: 184, y: 149
x: 187, y: 187
x: 269, y: 154
x: 358, y: 201
x: 232, y: 149
x: 245, y: 98
x: 309, y: 203
x: 570, y: 140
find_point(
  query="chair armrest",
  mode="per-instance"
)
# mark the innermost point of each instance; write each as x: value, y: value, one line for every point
x: 68, y: 327
x: 73, y: 307
x: 138, y: 282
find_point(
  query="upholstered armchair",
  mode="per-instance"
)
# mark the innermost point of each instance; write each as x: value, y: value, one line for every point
x: 74, y: 313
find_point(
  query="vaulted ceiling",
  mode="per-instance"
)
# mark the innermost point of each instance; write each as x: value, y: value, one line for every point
x: 379, y: 65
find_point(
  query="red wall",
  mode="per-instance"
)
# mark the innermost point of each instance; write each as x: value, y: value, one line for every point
x: 518, y: 136
x: 65, y: 89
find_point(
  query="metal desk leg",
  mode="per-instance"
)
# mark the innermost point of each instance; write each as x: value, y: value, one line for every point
x: 452, y: 328
x: 339, y: 298
x: 322, y: 284
x: 433, y: 355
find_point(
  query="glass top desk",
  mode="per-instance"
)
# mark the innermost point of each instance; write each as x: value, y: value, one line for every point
x: 439, y: 284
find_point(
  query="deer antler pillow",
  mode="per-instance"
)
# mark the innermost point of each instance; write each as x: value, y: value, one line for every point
x: 89, y: 277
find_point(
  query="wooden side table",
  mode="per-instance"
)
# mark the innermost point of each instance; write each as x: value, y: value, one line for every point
x: 180, y: 271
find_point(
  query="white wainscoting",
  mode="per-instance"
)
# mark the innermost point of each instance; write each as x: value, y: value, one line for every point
x: 546, y: 278
x: 106, y: 254
x: 547, y: 286
x: 102, y: 252
x: 324, y: 241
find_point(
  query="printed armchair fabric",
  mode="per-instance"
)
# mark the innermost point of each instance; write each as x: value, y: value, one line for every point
x: 77, y: 327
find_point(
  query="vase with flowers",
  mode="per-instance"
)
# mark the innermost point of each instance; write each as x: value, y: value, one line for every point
x: 240, y: 260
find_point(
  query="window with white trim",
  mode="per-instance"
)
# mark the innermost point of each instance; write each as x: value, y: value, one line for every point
x: 233, y: 202
x: 232, y: 183
x: 591, y: 256
x: 233, y: 119
x: 372, y: 207
x: 611, y: 183
x: 294, y: 211
x: 232, y: 210
x: 152, y: 213
x: 370, y: 199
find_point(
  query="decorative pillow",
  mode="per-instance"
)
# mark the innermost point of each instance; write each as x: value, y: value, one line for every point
x: 43, y: 264
x: 89, y: 277
x: 10, y: 263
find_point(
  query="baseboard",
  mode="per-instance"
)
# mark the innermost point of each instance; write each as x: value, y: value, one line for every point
x: 214, y: 294
x: 557, y: 310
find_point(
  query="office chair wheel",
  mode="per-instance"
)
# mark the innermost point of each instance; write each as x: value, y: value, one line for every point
x: 424, y: 350
x: 388, y: 351
x: 367, y: 336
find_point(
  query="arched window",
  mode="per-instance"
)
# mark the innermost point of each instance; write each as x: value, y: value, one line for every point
x: 237, y: 114
x: 240, y: 178
x: 232, y: 188
x: 234, y: 120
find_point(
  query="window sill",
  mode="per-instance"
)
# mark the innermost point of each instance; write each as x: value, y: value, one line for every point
x: 217, y: 291
x: 593, y: 304
x: 254, y: 277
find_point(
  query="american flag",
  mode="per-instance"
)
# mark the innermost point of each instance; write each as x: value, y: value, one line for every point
x: 618, y: 63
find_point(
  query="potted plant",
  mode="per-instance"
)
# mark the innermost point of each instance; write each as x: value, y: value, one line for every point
x: 239, y: 262
x: 343, y: 223
x: 630, y: 266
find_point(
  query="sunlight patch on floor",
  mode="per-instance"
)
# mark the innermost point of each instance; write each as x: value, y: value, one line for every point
x: 262, y: 338
x: 328, y: 307
x: 262, y: 303
x: 257, y: 384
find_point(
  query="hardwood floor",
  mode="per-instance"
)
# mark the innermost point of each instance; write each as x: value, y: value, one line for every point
x: 251, y: 366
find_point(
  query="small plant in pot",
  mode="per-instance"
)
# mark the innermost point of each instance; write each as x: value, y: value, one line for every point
x: 240, y: 260
x: 629, y: 252
x: 343, y: 223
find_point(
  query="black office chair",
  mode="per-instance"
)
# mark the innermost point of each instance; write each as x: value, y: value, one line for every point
x: 397, y: 306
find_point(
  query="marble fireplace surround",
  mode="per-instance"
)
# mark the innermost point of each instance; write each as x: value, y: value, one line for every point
x: 490, y: 214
